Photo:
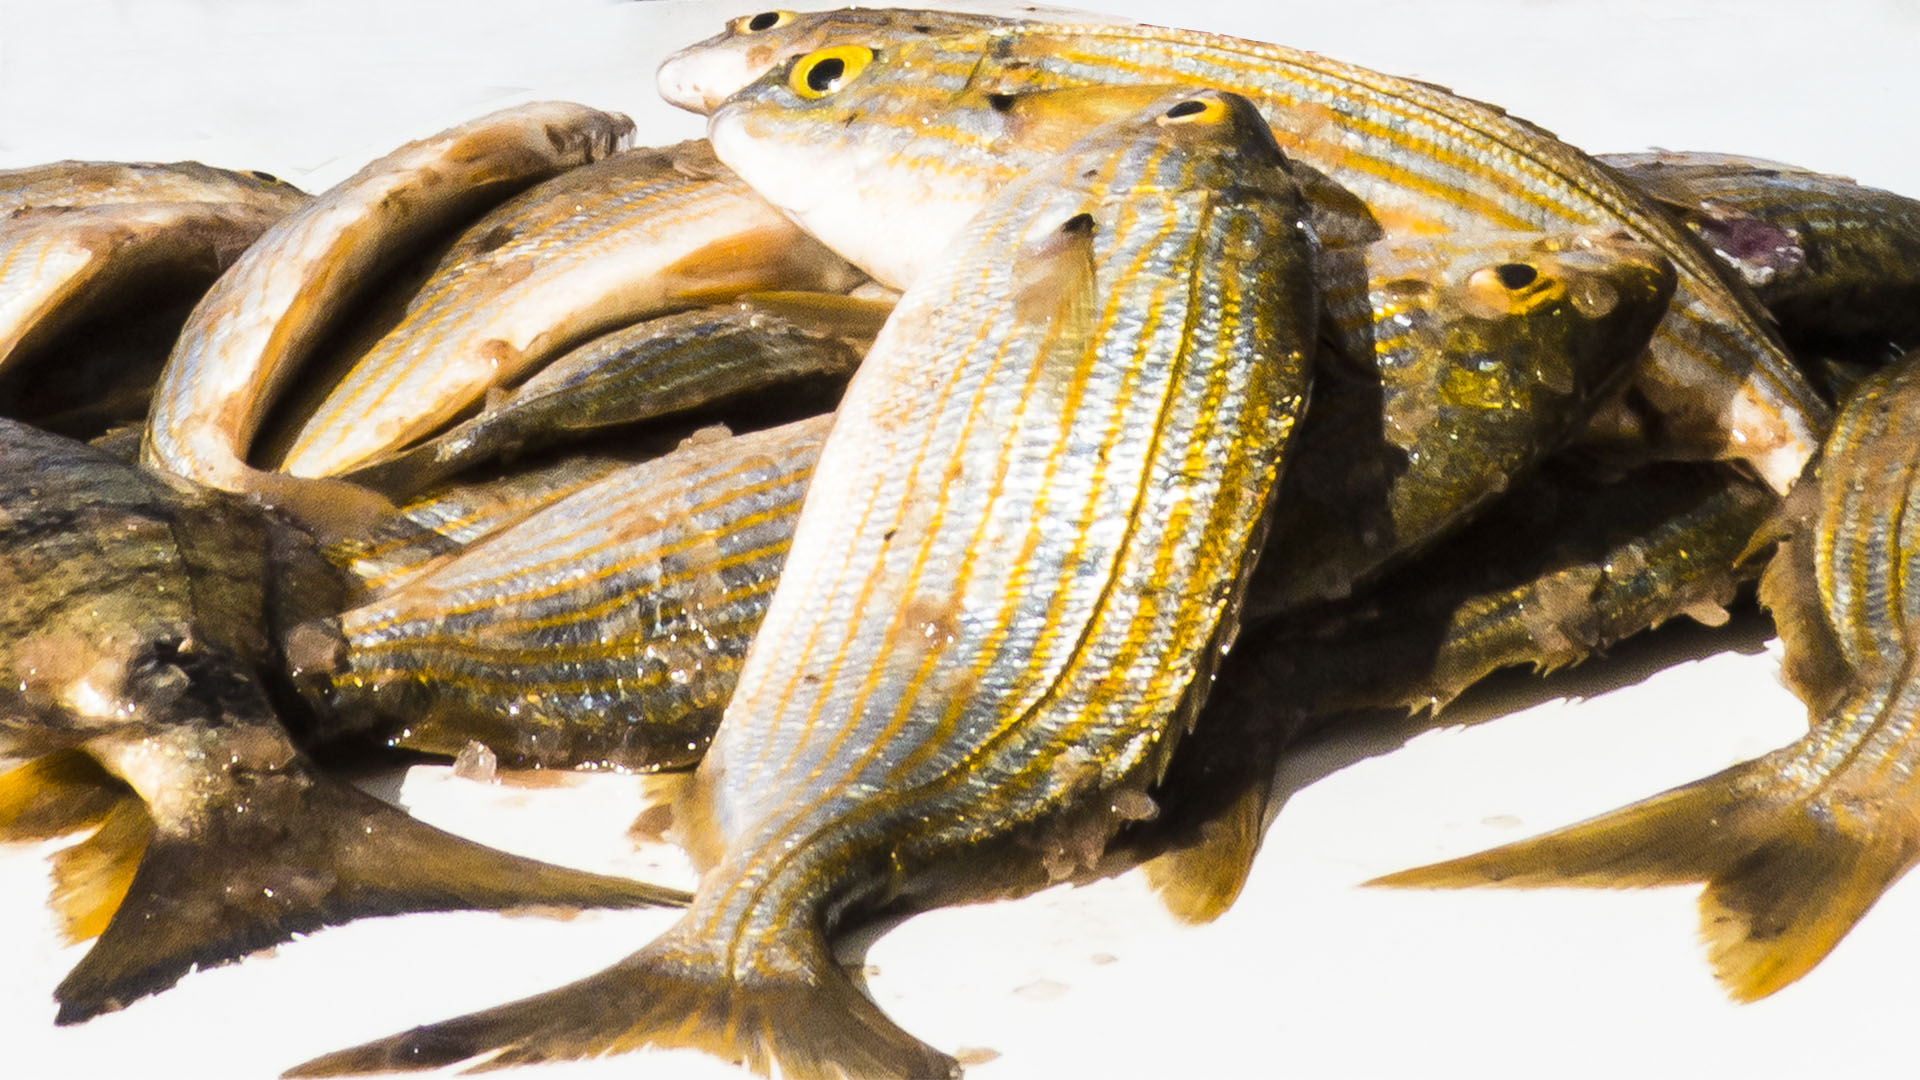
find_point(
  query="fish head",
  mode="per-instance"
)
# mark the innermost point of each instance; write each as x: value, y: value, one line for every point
x: 885, y: 154
x: 1506, y: 319
x: 701, y: 76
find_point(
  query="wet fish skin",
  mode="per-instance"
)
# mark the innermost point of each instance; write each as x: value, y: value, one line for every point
x: 250, y: 333
x: 660, y: 367
x: 140, y: 624
x: 104, y: 183
x: 935, y: 673
x: 1833, y: 260
x: 1483, y: 355
x: 604, y: 631
x: 634, y: 235
x: 1424, y: 160
x: 1794, y: 846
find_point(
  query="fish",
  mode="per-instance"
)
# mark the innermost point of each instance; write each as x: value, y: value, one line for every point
x: 604, y: 631
x: 1796, y: 845
x: 637, y: 234
x: 143, y: 626
x: 58, y: 264
x: 693, y: 360
x: 1422, y: 160
x: 1479, y: 356
x: 982, y: 632
x: 1833, y: 260
x: 107, y: 183
x: 248, y: 336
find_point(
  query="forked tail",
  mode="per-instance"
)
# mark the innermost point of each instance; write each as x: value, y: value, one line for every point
x: 307, y: 852
x: 1789, y: 867
x: 799, y: 1013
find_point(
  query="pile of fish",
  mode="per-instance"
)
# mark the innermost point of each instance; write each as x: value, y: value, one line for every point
x: 968, y: 470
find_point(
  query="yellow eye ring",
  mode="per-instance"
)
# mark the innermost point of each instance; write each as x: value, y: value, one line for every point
x: 1195, y: 110
x: 761, y: 23
x: 1516, y: 288
x: 822, y: 72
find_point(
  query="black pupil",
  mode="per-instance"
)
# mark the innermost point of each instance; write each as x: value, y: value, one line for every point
x: 826, y: 73
x: 1516, y: 275
x: 1187, y: 108
x: 763, y: 21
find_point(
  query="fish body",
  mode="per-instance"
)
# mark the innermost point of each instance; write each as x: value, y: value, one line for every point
x: 604, y: 631
x: 660, y: 367
x: 1794, y: 846
x: 143, y: 626
x: 104, y: 183
x: 634, y: 235
x: 1423, y: 161
x: 1021, y: 550
x: 249, y: 334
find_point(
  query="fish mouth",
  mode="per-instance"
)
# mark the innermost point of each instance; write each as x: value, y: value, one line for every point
x: 676, y: 83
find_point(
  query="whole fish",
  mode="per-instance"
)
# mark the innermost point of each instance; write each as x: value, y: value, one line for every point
x: 656, y: 368
x: 1830, y: 258
x: 58, y: 264
x: 251, y: 332
x: 104, y: 183
x: 141, y: 628
x: 638, y: 234
x: 604, y: 631
x: 1423, y: 160
x: 1794, y: 846
x: 1021, y: 551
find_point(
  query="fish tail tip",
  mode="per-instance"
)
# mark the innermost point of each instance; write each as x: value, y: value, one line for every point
x: 809, y: 1026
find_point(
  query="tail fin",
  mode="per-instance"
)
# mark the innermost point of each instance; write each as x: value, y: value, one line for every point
x: 54, y: 795
x: 292, y: 861
x: 805, y: 1018
x: 1787, y: 874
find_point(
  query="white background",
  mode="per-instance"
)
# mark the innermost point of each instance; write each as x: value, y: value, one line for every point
x: 1308, y: 976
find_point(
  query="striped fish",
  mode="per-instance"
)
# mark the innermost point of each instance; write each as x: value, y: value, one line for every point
x: 605, y: 631
x: 248, y: 336
x: 1424, y: 160
x: 1022, y: 548
x: 635, y: 235
x: 694, y: 360
x: 1794, y: 846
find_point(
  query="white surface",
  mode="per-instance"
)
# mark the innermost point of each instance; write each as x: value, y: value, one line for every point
x: 1308, y: 975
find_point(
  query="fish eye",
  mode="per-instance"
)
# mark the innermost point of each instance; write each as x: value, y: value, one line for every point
x: 1195, y: 111
x: 761, y: 23
x: 820, y: 73
x: 1516, y: 275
